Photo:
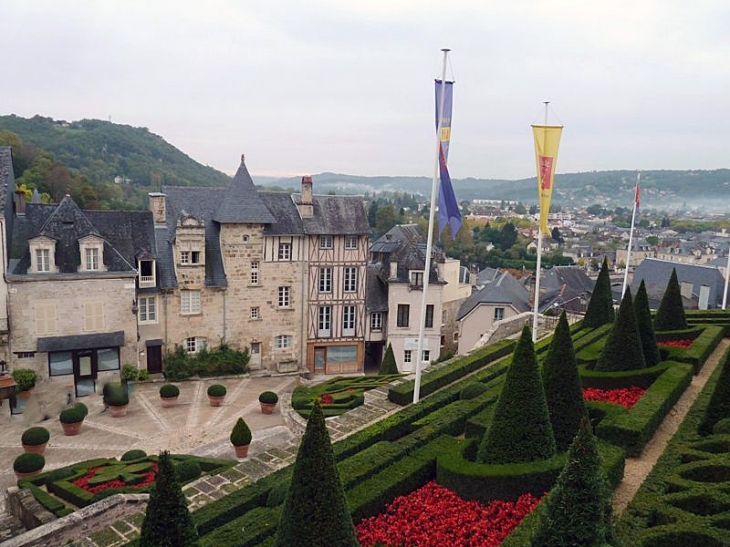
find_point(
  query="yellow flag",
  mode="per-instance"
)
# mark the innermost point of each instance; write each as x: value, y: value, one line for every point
x: 547, y: 140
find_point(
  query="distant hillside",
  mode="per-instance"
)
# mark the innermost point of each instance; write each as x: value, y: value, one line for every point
x: 668, y: 190
x: 103, y: 151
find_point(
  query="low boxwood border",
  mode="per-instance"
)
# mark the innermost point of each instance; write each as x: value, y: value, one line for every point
x: 702, y: 347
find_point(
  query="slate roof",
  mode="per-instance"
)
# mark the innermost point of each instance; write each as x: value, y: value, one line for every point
x: 656, y: 274
x: 7, y: 187
x: 241, y: 203
x: 563, y: 286
x: 405, y: 245
x: 376, y: 298
x: 336, y: 215
x: 284, y: 210
x: 504, y: 290
x: 125, y: 234
x: 201, y: 203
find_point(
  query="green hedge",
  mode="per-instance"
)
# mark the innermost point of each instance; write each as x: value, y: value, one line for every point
x: 642, y: 378
x: 633, y: 429
x: 701, y: 348
x: 248, y: 530
x: 436, y: 379
x: 53, y: 504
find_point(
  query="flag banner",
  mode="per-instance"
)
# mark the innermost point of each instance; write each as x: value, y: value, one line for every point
x: 637, y: 198
x: 547, y: 140
x: 446, y: 119
x: 449, y: 212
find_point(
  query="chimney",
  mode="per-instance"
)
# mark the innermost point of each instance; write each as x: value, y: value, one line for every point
x: 306, y: 208
x: 157, y: 206
x: 19, y: 202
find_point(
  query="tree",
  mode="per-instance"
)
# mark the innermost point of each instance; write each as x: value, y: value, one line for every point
x: 563, y: 390
x: 623, y: 350
x: 670, y: 315
x: 645, y: 326
x: 555, y: 234
x: 167, y: 521
x: 373, y: 213
x: 520, y: 430
x: 508, y: 236
x: 600, y: 308
x: 388, y: 366
x: 578, y: 511
x: 386, y: 218
x: 315, y: 511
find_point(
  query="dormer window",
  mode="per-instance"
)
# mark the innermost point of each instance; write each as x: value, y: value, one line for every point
x: 146, y: 269
x: 416, y: 278
x: 42, y: 255
x: 92, y: 254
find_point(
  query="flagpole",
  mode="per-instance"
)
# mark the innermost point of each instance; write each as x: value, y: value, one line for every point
x: 631, y: 236
x: 429, y: 240
x: 539, y: 245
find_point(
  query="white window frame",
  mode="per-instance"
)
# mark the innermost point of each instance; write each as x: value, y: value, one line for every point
x: 190, y: 302
x: 349, y: 281
x: 351, y: 242
x: 498, y: 314
x: 407, y: 355
x: 285, y: 297
x: 376, y: 321
x: 255, y: 272
x: 255, y: 312
x: 283, y: 341
x: 325, y: 280
x: 284, y: 251
x: 326, y: 242
x: 426, y: 323
x: 425, y: 355
x: 349, y: 315
x: 324, y: 322
x: 416, y: 278
x: 147, y: 309
x: 91, y: 259
x: 43, y: 260
x: 194, y: 344
x: 406, y: 313
x: 146, y: 280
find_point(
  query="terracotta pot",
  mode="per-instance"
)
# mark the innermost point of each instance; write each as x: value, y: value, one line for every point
x: 26, y: 475
x: 118, y: 411
x: 168, y: 402
x: 37, y: 448
x: 216, y: 401
x: 241, y: 451
x: 267, y: 408
x: 72, y: 429
x: 25, y: 395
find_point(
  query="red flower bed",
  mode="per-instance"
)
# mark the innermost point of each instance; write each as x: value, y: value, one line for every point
x: 83, y: 482
x: 684, y: 344
x: 626, y: 397
x: 434, y: 516
x: 326, y: 399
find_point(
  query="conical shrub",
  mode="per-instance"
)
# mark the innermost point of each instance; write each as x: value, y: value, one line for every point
x: 167, y: 521
x: 600, y: 308
x: 388, y: 366
x: 578, y: 511
x: 520, y: 430
x: 315, y: 511
x: 622, y: 350
x: 563, y: 390
x: 670, y: 315
x: 646, y: 327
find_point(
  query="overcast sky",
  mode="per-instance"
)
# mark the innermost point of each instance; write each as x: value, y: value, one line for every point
x: 303, y: 87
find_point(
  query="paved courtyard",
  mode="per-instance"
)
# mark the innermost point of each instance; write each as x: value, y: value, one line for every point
x: 192, y: 426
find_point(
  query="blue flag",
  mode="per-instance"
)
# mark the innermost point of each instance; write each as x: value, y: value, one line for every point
x: 449, y: 212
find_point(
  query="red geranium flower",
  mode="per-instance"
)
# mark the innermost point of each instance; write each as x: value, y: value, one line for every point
x: 625, y: 397
x: 83, y: 482
x: 326, y: 399
x: 434, y: 516
x: 676, y: 343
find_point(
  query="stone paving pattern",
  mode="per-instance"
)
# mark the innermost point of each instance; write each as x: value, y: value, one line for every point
x: 191, y: 427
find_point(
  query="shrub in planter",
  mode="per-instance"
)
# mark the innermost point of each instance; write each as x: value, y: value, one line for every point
x: 72, y: 415
x: 623, y: 350
x: 269, y: 398
x: 115, y: 395
x: 134, y: 454
x: 241, y: 434
x: 35, y: 437
x: 24, y: 379
x: 29, y: 462
x: 82, y: 408
x: 600, y: 308
x: 217, y: 390
x: 169, y: 390
x: 670, y: 314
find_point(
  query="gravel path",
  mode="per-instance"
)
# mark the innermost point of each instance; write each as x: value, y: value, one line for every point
x: 638, y: 468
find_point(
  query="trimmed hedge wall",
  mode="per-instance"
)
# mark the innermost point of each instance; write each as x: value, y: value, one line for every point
x: 701, y: 348
x: 642, y: 378
x: 247, y: 530
x: 633, y: 429
x: 449, y: 373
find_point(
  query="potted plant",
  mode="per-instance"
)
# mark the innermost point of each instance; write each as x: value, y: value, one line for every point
x: 268, y: 400
x: 241, y: 438
x: 28, y: 464
x: 130, y: 374
x: 168, y: 395
x: 116, y: 398
x: 144, y: 375
x: 24, y: 381
x: 72, y: 418
x: 35, y: 439
x: 216, y: 394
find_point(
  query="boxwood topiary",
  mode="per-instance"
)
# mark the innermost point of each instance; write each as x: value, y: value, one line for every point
x: 29, y: 462
x: 72, y: 415
x: 670, y: 314
x: 268, y: 397
x: 216, y: 390
x: 115, y: 395
x: 600, y: 307
x: 169, y: 390
x: 34, y: 436
x: 241, y: 434
x: 623, y: 350
x: 134, y: 454
x: 187, y: 470
x: 82, y: 408
x: 473, y: 390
